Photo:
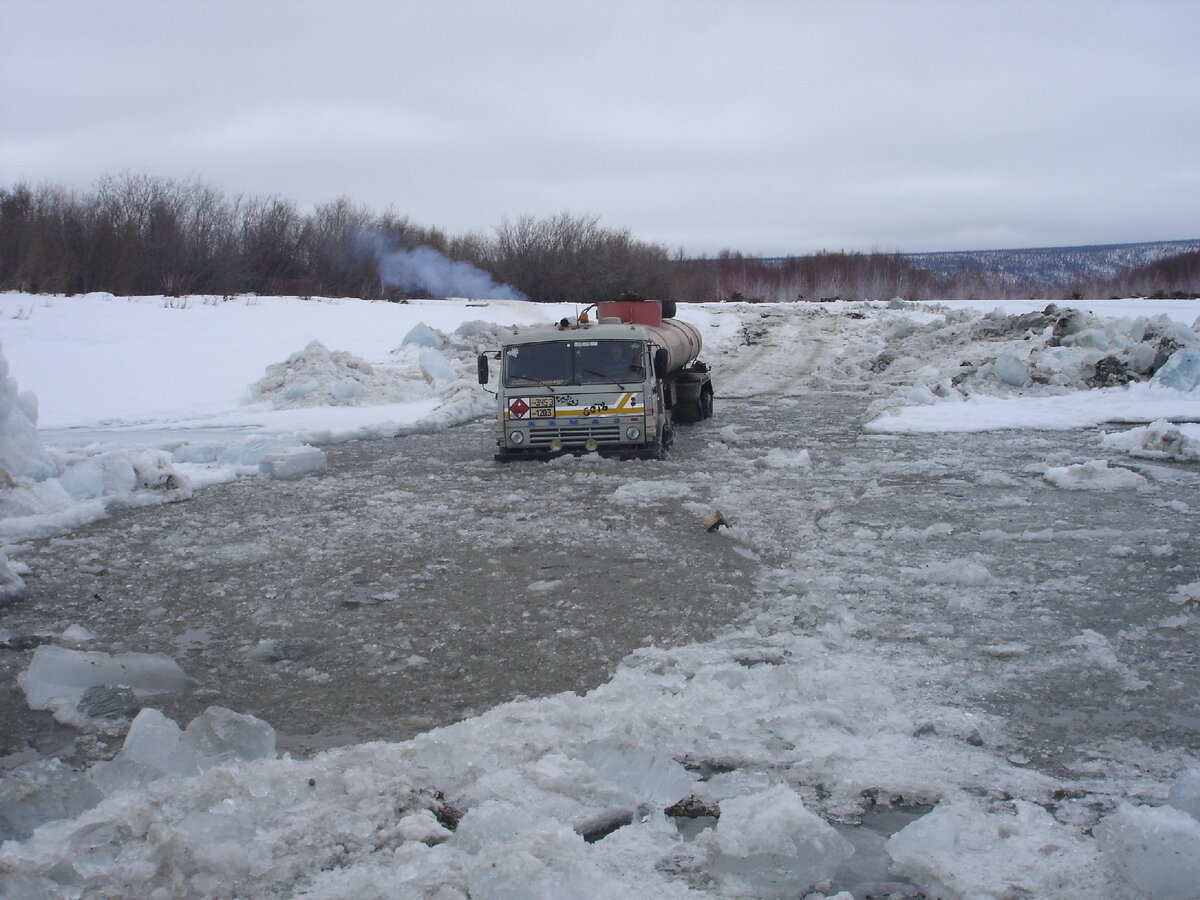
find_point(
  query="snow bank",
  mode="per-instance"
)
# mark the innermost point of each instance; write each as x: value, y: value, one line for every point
x: 145, y: 453
x: 1057, y: 368
x: 43, y: 491
x: 316, y: 376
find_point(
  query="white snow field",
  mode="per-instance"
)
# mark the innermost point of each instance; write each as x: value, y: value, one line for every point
x: 792, y: 723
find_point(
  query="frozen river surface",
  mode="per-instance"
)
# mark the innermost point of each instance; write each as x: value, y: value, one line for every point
x: 416, y: 582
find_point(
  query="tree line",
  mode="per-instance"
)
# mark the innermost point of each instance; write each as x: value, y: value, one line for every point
x: 139, y: 234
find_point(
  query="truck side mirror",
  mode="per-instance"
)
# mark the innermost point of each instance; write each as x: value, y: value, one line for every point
x: 481, y: 363
x: 662, y: 360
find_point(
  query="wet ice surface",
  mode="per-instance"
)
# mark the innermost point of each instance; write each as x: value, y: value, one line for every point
x: 412, y: 584
x: 415, y: 581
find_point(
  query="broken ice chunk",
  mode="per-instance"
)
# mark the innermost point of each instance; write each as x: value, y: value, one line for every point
x: 423, y: 336
x: 772, y: 844
x: 918, y: 844
x: 214, y: 737
x: 653, y: 778
x: 1095, y: 475
x: 1185, y: 793
x: 436, y: 367
x: 513, y: 853
x: 77, y: 634
x: 39, y: 792
x: 153, y: 741
x: 1010, y: 370
x: 12, y: 585
x: 272, y: 650
x: 219, y: 735
x: 293, y: 462
x: 348, y: 389
x: 1155, y: 849
x: 1181, y: 371
x: 58, y: 672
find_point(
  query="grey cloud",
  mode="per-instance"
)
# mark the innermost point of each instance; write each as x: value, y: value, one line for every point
x: 771, y: 127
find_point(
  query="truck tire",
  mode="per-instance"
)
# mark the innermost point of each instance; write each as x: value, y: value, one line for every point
x: 706, y: 405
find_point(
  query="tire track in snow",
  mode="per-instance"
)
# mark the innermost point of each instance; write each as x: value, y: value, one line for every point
x: 774, y: 352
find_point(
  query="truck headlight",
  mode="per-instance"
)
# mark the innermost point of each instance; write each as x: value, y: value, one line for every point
x: 517, y: 437
x: 633, y: 432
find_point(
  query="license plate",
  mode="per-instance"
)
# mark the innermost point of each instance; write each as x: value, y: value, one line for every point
x: 541, y: 407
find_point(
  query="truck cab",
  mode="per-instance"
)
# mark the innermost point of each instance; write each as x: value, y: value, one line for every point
x: 612, y: 386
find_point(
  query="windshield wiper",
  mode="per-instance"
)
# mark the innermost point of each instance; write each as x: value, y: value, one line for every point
x: 537, y: 381
x: 618, y: 381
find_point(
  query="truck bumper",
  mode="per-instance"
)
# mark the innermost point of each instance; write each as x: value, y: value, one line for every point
x: 640, y: 452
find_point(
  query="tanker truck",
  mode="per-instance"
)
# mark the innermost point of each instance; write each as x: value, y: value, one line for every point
x: 617, y: 385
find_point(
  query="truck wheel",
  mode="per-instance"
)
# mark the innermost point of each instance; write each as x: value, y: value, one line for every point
x: 668, y: 437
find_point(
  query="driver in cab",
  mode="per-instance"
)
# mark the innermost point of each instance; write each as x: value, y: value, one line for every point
x: 621, y: 361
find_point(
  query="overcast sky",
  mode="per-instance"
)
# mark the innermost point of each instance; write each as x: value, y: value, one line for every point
x: 769, y: 127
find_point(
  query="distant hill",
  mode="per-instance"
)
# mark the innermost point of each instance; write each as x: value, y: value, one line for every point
x: 1052, y: 265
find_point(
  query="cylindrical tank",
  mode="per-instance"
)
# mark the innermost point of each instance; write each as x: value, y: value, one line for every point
x: 681, y: 341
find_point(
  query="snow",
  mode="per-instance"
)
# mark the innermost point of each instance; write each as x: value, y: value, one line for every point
x: 143, y: 399
x: 786, y: 727
x: 1158, y: 440
x: 1094, y: 475
x: 12, y: 585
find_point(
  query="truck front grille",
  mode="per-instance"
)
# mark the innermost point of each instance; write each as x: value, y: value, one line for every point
x: 572, y: 435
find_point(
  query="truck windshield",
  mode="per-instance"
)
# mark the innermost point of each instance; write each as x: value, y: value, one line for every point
x: 574, y: 362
